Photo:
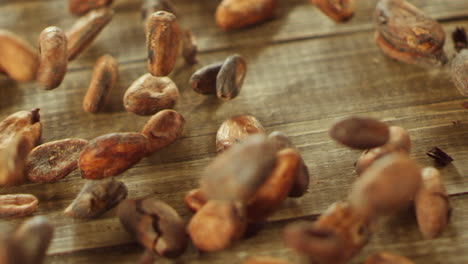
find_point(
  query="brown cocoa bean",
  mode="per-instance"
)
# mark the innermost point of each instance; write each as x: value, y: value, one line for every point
x: 162, y: 39
x: 103, y: 80
x: 432, y: 204
x: 17, y: 58
x: 235, y: 129
x: 406, y: 34
x: 80, y: 7
x: 237, y: 173
x: 189, y: 47
x: 338, y: 10
x: 232, y: 14
x: 231, y: 77
x: 54, y: 160
x: 217, y: 225
x: 17, y: 205
x: 53, y: 49
x: 86, y: 29
x: 265, y: 260
x: 359, y: 132
x: 149, y: 95
x: 459, y: 71
x: 195, y: 200
x: 155, y: 225
x: 96, y: 198
x: 203, y: 81
x: 387, y: 258
x: 152, y: 6
x: 112, y: 154
x: 163, y: 129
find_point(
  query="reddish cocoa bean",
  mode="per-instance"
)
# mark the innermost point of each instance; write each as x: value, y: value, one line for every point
x: 359, y: 132
x: 338, y: 10
x: 203, y: 81
x: 163, y: 129
x: 232, y: 14
x: 17, y: 205
x: 80, y: 7
x: 231, y: 77
x: 53, y: 46
x: 195, y: 200
x: 235, y: 129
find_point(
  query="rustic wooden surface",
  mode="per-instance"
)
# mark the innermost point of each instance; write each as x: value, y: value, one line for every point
x: 304, y: 71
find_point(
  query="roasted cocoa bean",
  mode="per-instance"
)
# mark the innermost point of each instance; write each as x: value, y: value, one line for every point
x: 103, y: 80
x: 265, y: 260
x: 162, y: 39
x: 112, y: 154
x: 217, y: 225
x: 406, y: 34
x: 338, y: 10
x: 195, y: 200
x: 359, y: 132
x: 149, y: 95
x: 96, y: 198
x: 432, y: 204
x: 53, y: 48
x: 237, y: 173
x: 80, y: 7
x: 233, y: 14
x: 189, y: 47
x: 459, y: 71
x: 155, y: 225
x: 203, y: 81
x: 86, y: 29
x: 54, y: 160
x: 163, y: 129
x: 231, y: 77
x: 17, y: 58
x: 235, y: 129
x: 387, y: 258
x: 17, y: 205
x: 152, y: 6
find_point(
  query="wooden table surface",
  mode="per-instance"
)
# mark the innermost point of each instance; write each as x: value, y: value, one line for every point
x: 304, y: 71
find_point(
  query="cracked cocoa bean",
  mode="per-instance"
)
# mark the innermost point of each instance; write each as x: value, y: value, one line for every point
x: 203, y: 81
x: 231, y: 77
x: 155, y: 225
x: 387, y: 258
x: 162, y: 129
x: 17, y: 205
x: 338, y: 10
x: 80, y: 7
x: 235, y: 129
x: 265, y: 260
x: 232, y: 14
x: 189, y: 47
x: 53, y: 49
x: 359, y: 132
x: 195, y: 200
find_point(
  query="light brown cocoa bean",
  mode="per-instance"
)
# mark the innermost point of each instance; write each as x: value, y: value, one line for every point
x: 338, y: 10
x: 432, y: 204
x: 155, y: 225
x: 96, y: 198
x: 387, y: 258
x: 149, y: 95
x: 112, y: 154
x: 459, y: 71
x: 17, y: 205
x: 231, y: 77
x: 265, y: 260
x: 162, y: 39
x: 86, y: 29
x: 17, y: 58
x: 54, y: 160
x: 217, y: 225
x: 195, y: 200
x: 152, y: 6
x: 233, y: 14
x: 359, y: 132
x: 80, y: 7
x: 162, y: 129
x: 53, y: 49
x: 189, y: 47
x: 235, y: 129
x: 203, y: 81
x: 103, y: 80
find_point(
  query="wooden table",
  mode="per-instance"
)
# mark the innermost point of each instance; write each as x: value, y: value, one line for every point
x: 304, y: 71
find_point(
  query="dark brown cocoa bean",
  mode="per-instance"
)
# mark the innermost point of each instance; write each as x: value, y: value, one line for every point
x: 232, y: 14
x: 459, y: 71
x: 54, y: 160
x: 80, y: 7
x: 265, y: 260
x: 203, y: 81
x: 53, y: 48
x: 189, y: 47
x: 195, y: 200
x: 338, y: 10
x: 460, y: 41
x: 17, y: 205
x: 235, y: 129
x: 387, y: 258
x: 359, y: 132
x: 231, y: 77
x: 163, y: 129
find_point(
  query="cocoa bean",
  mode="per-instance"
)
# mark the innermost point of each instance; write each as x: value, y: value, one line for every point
x: 235, y: 129
x: 195, y: 200
x: 231, y: 77
x: 338, y: 10
x: 80, y: 7
x: 17, y: 205
x: 163, y: 129
x: 53, y: 46
x: 232, y: 14
x: 189, y: 47
x: 359, y: 132
x: 203, y: 81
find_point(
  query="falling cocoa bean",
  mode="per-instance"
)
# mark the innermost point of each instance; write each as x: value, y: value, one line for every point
x: 163, y: 129
x: 195, y: 200
x: 232, y: 14
x: 80, y: 7
x: 203, y: 81
x: 17, y: 205
x: 235, y: 129
x: 53, y: 50
x: 338, y: 10
x: 359, y: 132
x: 231, y: 77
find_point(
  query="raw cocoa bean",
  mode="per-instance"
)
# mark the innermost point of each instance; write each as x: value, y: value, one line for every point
x: 359, y: 132
x: 235, y: 129
x: 387, y: 258
x: 86, y: 29
x: 231, y: 77
x: 96, y: 198
x: 432, y: 204
x: 103, y: 80
x: 265, y: 260
x: 338, y: 10
x: 459, y: 71
x: 217, y: 225
x: 52, y: 161
x: 233, y: 14
x: 237, y: 173
x: 155, y: 225
x: 17, y: 205
x: 162, y: 39
x: 195, y: 200
x: 152, y: 6
x: 112, y: 154
x: 203, y: 81
x: 149, y: 95
x: 53, y: 48
x: 189, y: 47
x: 17, y: 58
x: 80, y: 7
x: 163, y: 129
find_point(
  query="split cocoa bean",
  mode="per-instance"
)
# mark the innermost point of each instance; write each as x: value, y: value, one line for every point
x: 359, y: 132
x: 53, y: 49
x: 203, y: 81
x: 17, y: 58
x: 163, y: 129
x: 86, y: 29
x: 232, y: 14
x: 459, y: 71
x: 195, y: 200
x: 432, y: 204
x: 387, y: 258
x: 112, y: 154
x: 53, y: 161
x: 149, y: 95
x: 265, y: 260
x: 152, y: 6
x: 231, y: 77
x: 17, y: 205
x: 155, y: 225
x: 338, y: 10
x: 103, y: 80
x: 80, y: 7
x: 162, y: 39
x: 189, y: 47
x: 235, y: 129
x: 96, y: 198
